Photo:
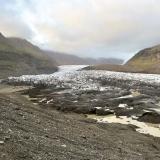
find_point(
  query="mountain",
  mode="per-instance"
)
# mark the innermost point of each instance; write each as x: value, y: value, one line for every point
x: 68, y: 59
x: 146, y: 61
x: 112, y: 61
x: 18, y: 56
x: 4, y: 44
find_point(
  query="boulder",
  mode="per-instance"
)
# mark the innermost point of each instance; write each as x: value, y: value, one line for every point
x: 150, y: 117
x: 103, y: 111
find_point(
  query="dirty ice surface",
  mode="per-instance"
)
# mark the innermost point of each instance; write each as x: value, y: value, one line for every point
x: 70, y: 76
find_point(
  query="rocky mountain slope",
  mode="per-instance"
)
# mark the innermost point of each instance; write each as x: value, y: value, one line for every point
x: 68, y: 59
x: 147, y: 60
x: 18, y: 56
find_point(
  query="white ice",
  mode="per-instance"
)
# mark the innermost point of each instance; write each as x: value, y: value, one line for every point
x: 71, y: 77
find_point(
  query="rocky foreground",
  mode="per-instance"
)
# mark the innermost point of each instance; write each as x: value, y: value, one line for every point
x: 49, y: 120
x: 29, y: 131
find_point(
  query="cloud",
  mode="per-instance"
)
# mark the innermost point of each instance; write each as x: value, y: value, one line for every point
x: 11, y: 23
x: 85, y: 27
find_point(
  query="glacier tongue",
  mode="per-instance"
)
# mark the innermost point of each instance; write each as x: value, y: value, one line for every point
x: 72, y: 77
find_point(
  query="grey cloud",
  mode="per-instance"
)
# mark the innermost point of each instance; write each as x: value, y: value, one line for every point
x: 11, y: 23
x: 86, y: 27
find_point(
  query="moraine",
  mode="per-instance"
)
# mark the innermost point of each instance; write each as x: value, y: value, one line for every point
x: 88, y: 79
x: 101, y: 93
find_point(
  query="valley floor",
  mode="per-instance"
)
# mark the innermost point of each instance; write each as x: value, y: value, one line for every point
x: 32, y: 132
x: 80, y: 115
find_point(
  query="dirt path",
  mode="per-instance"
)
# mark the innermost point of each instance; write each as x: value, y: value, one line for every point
x: 31, y: 132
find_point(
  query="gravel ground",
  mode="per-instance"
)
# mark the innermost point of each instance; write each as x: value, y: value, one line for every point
x: 32, y: 132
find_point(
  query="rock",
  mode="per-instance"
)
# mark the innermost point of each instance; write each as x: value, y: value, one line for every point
x: 3, y: 155
x: 20, y: 114
x: 17, y: 108
x: 64, y: 145
x: 26, y: 136
x: 85, y: 110
x: 123, y: 105
x: 103, y: 111
x: 7, y: 138
x: 38, y: 121
x: 150, y: 117
x: 84, y: 137
x: 1, y: 142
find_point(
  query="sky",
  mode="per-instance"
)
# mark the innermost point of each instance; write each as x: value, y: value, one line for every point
x: 86, y: 28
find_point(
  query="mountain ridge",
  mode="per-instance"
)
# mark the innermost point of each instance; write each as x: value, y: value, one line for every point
x: 145, y: 61
x: 69, y: 59
x: 19, y: 56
